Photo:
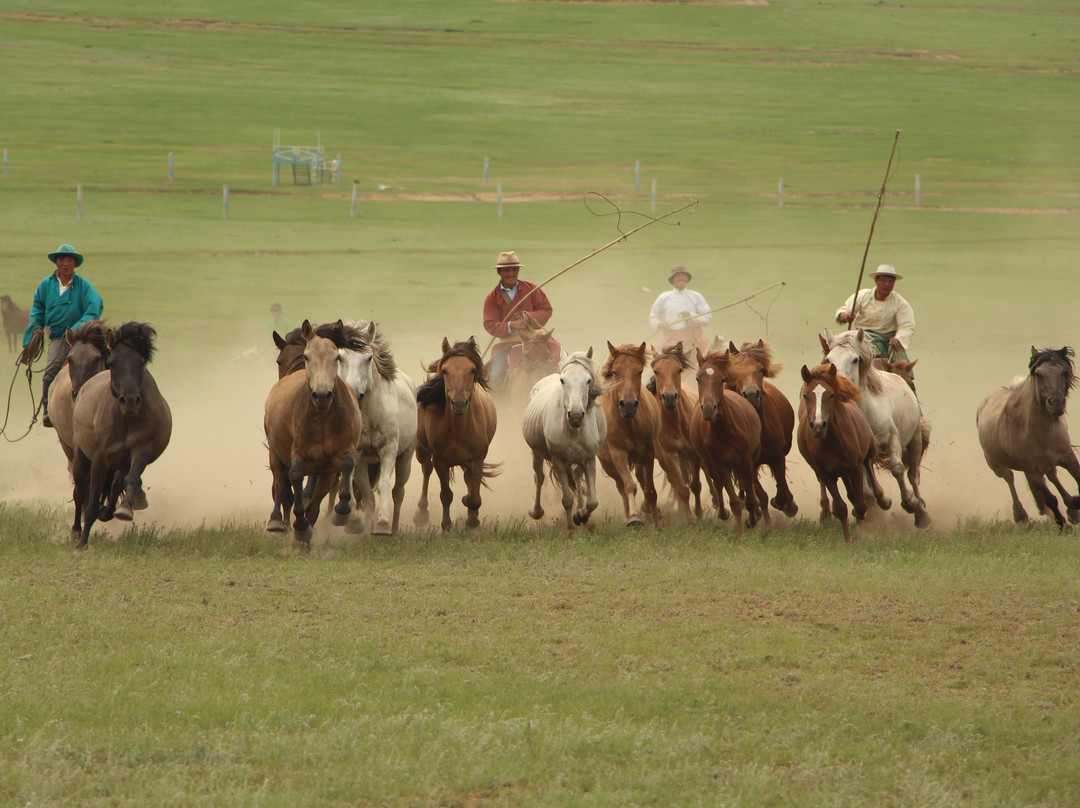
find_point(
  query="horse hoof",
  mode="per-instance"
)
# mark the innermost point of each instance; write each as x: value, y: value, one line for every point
x: 123, y: 513
x: 339, y: 519
x: 105, y: 514
x: 355, y: 527
x: 76, y: 535
x: 276, y: 526
x: 634, y: 521
x: 537, y: 513
x: 578, y: 520
x: 420, y: 519
x: 382, y: 530
x: 139, y: 501
x: 791, y: 510
x: 922, y: 520
x: 303, y: 537
x: 884, y: 503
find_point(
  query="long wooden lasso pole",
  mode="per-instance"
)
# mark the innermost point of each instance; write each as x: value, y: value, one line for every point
x: 877, y: 210
x: 597, y: 251
x: 721, y: 308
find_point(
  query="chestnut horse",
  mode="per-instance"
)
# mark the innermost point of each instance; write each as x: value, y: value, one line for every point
x: 837, y: 442
x: 121, y: 423
x: 748, y: 373
x: 677, y: 456
x: 455, y: 425
x: 537, y: 360
x: 1022, y: 426
x: 312, y: 425
x: 633, y: 421
x: 726, y: 432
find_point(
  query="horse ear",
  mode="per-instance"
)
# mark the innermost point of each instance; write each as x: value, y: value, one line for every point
x: 832, y: 369
x: 306, y: 329
x: 472, y: 342
x: 805, y: 374
x: 110, y: 338
x: 911, y: 365
x: 700, y: 356
x: 641, y: 349
x: 445, y: 345
x: 731, y: 348
x: 611, y: 348
x: 860, y: 336
x: 279, y: 341
x: 339, y: 325
x: 369, y: 333
x: 588, y: 353
x: 70, y: 337
x: 824, y: 343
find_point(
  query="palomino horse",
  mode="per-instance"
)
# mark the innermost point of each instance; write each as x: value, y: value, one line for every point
x: 537, y: 360
x: 837, y: 442
x: 677, y: 456
x: 312, y: 424
x: 748, y: 372
x: 121, y: 424
x: 726, y: 432
x: 565, y: 426
x: 633, y: 421
x: 900, y: 431
x: 1022, y: 426
x: 16, y: 321
x: 456, y: 422
x: 387, y: 399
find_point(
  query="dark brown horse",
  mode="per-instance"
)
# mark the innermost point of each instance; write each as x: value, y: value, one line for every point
x: 290, y: 356
x: 748, y: 373
x: 537, y: 360
x: 312, y: 424
x: 676, y: 454
x: 456, y: 422
x: 1022, y: 427
x: 726, y: 432
x: 121, y: 424
x: 837, y: 442
x: 633, y: 421
x: 16, y: 321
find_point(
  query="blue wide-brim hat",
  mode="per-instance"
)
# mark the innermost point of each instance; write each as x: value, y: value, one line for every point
x: 66, y: 249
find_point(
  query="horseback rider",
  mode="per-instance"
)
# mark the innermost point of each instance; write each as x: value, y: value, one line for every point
x: 507, y: 327
x: 681, y: 313
x: 63, y: 300
x: 886, y: 319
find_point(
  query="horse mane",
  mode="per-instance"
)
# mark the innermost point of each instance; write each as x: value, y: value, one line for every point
x: 582, y: 359
x: 674, y: 352
x: 294, y: 337
x: 865, y: 350
x: 95, y: 334
x: 719, y: 359
x: 137, y: 336
x: 343, y: 335
x: 1062, y: 355
x: 614, y: 352
x: 843, y: 388
x: 433, y: 391
x: 355, y: 334
x: 761, y: 352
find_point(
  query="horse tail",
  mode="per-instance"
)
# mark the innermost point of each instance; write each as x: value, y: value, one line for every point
x: 490, y: 470
x: 924, y: 428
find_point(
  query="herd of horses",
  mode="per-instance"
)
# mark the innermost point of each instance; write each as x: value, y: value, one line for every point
x: 344, y: 420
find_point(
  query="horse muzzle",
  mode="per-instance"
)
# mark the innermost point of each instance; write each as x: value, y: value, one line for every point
x: 1055, y: 406
x: 754, y: 397
x: 129, y: 403
x: 818, y: 429
x: 321, y: 400
x: 628, y: 409
x: 575, y: 418
x: 670, y: 400
x: 708, y: 411
x: 459, y: 406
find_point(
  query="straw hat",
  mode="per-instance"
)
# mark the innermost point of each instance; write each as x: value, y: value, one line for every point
x: 887, y: 269
x: 508, y: 260
x: 66, y: 249
x: 679, y: 270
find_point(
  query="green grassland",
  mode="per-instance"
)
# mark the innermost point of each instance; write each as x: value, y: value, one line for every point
x: 194, y: 660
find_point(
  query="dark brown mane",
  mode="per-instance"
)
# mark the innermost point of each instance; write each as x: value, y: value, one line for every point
x: 761, y: 352
x: 676, y: 353
x: 843, y: 388
x: 137, y: 336
x: 1056, y: 355
x: 626, y: 349
x: 94, y: 333
x: 433, y: 391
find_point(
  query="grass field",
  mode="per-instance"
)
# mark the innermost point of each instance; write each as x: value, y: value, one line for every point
x: 194, y: 660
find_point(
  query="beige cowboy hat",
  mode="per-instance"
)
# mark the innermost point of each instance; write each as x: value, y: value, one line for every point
x: 887, y: 269
x: 679, y: 270
x: 508, y: 260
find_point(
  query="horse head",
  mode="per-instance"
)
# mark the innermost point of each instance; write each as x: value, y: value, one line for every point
x: 290, y: 352
x: 355, y: 362
x: 903, y: 369
x: 623, y: 370
x: 850, y: 351
x: 88, y: 354
x: 320, y: 365
x: 749, y: 368
x: 823, y: 389
x: 580, y: 386
x: 1052, y: 371
x: 459, y: 371
x: 131, y: 347
x: 668, y: 367
x: 711, y: 379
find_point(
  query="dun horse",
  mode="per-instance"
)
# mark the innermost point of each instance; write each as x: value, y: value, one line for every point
x: 748, y: 373
x: 387, y: 399
x: 88, y: 353
x: 837, y: 442
x: 456, y: 422
x: 312, y: 424
x: 633, y: 421
x: 894, y: 413
x: 1022, y: 427
x: 16, y: 321
x: 726, y: 432
x: 677, y: 456
x: 564, y: 426
x: 121, y: 424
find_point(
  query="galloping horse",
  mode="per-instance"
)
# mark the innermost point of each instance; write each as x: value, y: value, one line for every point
x: 726, y: 432
x: 312, y: 424
x: 837, y: 442
x: 16, y: 321
x: 536, y: 361
x: 121, y: 424
x: 633, y: 421
x: 902, y: 368
x: 676, y: 454
x: 1022, y: 426
x: 86, y: 358
x: 387, y: 399
x: 290, y: 356
x: 456, y: 422
x: 748, y: 372
x: 564, y: 426
x: 900, y: 431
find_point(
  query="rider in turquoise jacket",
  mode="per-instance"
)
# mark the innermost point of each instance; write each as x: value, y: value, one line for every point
x: 63, y: 300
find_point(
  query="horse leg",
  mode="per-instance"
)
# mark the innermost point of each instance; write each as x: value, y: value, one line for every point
x: 562, y: 474
x: 1045, y: 501
x: 1019, y: 513
x: 762, y: 498
x: 382, y: 518
x: 823, y: 499
x: 726, y: 483
x: 691, y: 471
x: 92, y: 503
x: 537, y: 510
x: 301, y: 529
x: 446, y: 495
x: 110, y: 494
x: 420, y: 518
x: 871, y: 480
x: 474, y: 476
x: 401, y: 476
x: 646, y: 479
x: 784, y: 500
x: 279, y: 490
x: 839, y: 508
x: 591, y: 502
x: 360, y: 520
x: 914, y: 461
x: 80, y: 472
x: 132, y: 483
x: 892, y: 454
x: 856, y: 492
x: 1072, y: 504
x: 669, y: 462
x: 618, y: 468
x: 750, y: 485
x: 344, y: 501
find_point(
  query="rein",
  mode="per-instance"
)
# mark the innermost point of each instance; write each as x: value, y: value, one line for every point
x: 7, y: 410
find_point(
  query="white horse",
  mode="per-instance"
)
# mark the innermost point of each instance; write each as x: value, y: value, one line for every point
x: 895, y: 415
x: 565, y: 426
x: 387, y: 399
